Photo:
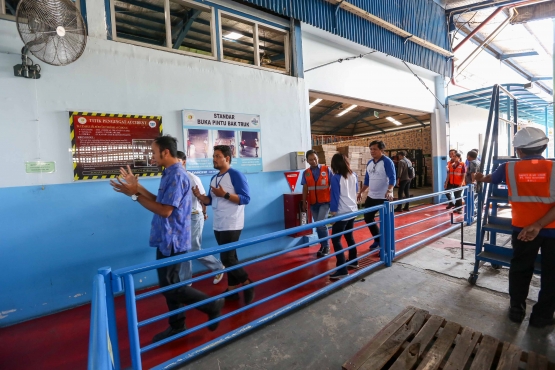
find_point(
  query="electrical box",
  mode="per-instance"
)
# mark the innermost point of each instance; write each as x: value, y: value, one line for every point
x: 298, y: 160
x: 294, y: 214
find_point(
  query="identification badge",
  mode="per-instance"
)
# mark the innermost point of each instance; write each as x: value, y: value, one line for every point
x: 532, y: 177
x: 323, y: 182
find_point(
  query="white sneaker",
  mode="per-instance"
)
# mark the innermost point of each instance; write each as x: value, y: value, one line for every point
x: 218, y: 278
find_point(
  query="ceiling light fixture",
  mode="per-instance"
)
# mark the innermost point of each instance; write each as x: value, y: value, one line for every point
x: 347, y: 110
x: 233, y: 36
x: 317, y: 101
x: 393, y: 120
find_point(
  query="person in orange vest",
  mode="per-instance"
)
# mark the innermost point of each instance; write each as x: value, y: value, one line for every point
x: 455, y: 179
x: 529, y: 182
x: 316, y: 191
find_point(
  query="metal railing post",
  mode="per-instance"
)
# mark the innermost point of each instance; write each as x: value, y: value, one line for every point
x: 131, y: 306
x: 385, y: 230
x: 111, y: 311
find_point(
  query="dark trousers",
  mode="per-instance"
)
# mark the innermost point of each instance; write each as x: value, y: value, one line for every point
x: 522, y: 268
x: 370, y: 216
x: 339, y: 227
x: 457, y: 194
x: 237, y: 276
x: 181, y: 296
x: 403, y: 192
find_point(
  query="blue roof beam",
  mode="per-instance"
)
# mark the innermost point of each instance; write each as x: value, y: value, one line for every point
x: 192, y: 15
x: 518, y: 55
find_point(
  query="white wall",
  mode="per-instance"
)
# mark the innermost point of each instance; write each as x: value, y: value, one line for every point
x: 466, y: 123
x: 375, y: 78
x: 121, y: 78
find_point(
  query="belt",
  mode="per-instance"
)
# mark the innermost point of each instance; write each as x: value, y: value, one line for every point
x: 195, y: 212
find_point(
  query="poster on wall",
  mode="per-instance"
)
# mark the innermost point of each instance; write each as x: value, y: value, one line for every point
x: 202, y: 130
x: 102, y: 143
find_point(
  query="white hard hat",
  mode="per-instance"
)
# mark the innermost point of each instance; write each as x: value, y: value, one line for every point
x: 530, y: 137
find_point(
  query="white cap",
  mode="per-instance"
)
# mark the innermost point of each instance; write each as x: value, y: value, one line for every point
x: 530, y: 137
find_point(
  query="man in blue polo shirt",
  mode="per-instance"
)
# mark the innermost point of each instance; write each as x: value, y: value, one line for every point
x: 170, y: 231
x: 379, y: 179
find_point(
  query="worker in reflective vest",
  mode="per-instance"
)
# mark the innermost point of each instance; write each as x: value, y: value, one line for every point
x: 455, y: 179
x: 531, y: 184
x: 316, y: 193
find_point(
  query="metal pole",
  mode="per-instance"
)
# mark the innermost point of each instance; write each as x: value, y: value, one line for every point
x: 111, y: 310
x: 131, y: 305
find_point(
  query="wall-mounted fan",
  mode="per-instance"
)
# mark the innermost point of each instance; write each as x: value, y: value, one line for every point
x: 53, y: 31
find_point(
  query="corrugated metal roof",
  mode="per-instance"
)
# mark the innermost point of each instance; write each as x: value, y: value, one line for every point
x: 425, y: 19
x: 516, y: 42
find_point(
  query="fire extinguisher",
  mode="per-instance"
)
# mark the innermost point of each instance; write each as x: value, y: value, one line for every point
x: 303, y: 215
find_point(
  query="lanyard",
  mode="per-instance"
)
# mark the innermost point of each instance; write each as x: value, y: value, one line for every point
x: 221, y: 178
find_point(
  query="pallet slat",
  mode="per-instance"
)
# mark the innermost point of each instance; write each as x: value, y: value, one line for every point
x: 536, y: 362
x: 435, y: 356
x: 361, y: 356
x: 486, y: 353
x: 463, y: 349
x: 510, y: 357
x: 422, y: 339
x: 387, y: 350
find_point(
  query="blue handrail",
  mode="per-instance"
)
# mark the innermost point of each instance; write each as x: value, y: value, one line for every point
x: 124, y: 277
x: 100, y: 349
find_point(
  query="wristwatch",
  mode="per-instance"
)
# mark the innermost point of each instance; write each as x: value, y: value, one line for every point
x: 135, y: 196
x: 227, y: 195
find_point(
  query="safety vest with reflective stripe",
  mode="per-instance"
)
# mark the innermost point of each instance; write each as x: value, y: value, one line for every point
x: 531, y: 186
x: 456, y: 175
x: 318, y: 191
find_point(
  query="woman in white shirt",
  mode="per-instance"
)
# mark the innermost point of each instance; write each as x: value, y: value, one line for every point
x: 344, y: 187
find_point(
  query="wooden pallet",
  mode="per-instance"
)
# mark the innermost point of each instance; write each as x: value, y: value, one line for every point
x: 417, y: 340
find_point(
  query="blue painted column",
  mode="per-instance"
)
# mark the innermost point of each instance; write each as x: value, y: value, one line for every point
x: 440, y: 145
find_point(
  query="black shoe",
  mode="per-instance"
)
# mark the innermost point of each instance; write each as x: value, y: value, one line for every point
x: 323, y: 252
x: 516, y: 314
x: 167, y: 333
x: 449, y: 206
x: 338, y: 275
x: 398, y: 209
x: 405, y: 209
x: 540, y: 322
x: 232, y: 297
x: 216, y: 312
x: 248, y: 294
x: 375, y: 246
x: 352, y: 265
x: 459, y: 211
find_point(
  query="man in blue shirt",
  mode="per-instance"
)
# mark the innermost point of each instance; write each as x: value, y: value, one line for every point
x: 379, y: 179
x: 170, y: 231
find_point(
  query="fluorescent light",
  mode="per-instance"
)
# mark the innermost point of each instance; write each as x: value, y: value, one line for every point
x: 393, y: 120
x: 347, y: 110
x: 317, y: 101
x: 233, y: 36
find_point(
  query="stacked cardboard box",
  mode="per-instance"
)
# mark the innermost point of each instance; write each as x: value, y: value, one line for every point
x: 325, y: 153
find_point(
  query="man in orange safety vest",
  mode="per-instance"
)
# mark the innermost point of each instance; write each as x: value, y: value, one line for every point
x: 531, y: 184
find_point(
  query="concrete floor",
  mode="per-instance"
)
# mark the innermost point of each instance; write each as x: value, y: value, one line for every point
x: 324, y: 334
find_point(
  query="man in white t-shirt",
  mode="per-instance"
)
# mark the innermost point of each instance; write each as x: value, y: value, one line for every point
x: 228, y: 196
x: 380, y: 179
x: 198, y: 216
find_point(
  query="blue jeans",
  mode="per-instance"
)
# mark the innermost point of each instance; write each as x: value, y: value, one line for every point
x: 320, y: 212
x: 211, y: 262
